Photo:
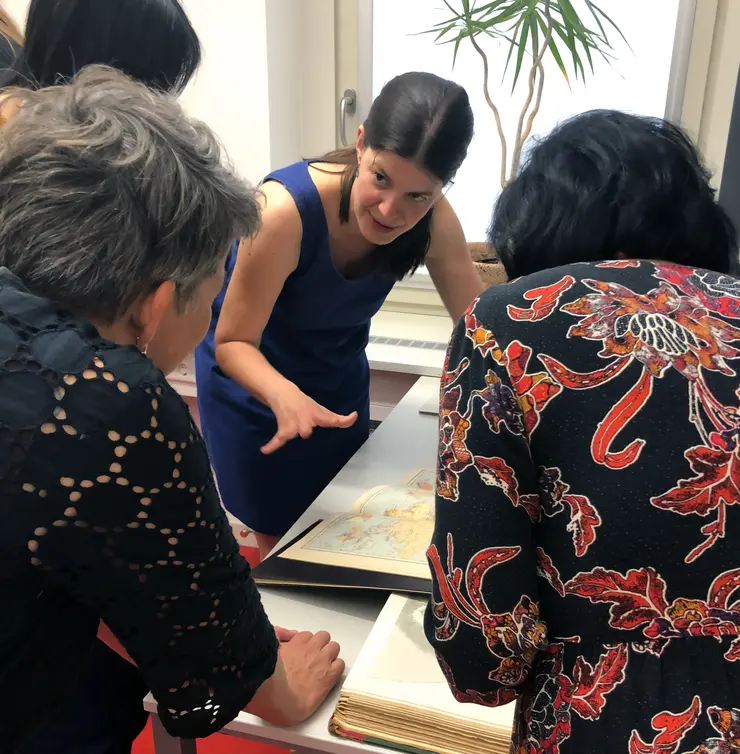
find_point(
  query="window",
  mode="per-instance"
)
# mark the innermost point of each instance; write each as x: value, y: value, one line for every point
x: 649, y: 79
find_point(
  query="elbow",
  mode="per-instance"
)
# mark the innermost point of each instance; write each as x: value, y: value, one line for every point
x: 227, y: 351
x: 221, y: 353
x: 497, y: 691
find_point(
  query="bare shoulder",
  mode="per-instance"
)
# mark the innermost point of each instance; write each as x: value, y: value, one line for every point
x: 278, y: 208
x: 278, y: 240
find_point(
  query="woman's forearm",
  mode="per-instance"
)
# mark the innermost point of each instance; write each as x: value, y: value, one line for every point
x: 245, y: 364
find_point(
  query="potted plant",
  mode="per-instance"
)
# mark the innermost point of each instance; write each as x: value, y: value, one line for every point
x: 533, y: 30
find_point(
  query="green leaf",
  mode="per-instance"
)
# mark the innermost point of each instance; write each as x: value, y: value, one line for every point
x: 526, y: 26
x: 513, y: 44
x: 553, y: 47
x: 455, y: 51
x: 504, y: 16
x: 558, y: 59
x: 523, y: 24
x: 596, y: 11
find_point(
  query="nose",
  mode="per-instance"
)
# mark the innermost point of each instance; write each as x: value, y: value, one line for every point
x: 388, y: 207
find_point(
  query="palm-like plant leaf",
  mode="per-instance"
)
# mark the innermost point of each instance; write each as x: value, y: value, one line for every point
x: 515, y: 21
x: 532, y: 29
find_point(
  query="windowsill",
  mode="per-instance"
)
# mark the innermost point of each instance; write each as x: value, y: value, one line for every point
x: 383, y: 357
x: 407, y: 358
x: 420, y: 279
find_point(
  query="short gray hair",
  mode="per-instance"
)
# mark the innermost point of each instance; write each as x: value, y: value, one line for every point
x: 107, y: 190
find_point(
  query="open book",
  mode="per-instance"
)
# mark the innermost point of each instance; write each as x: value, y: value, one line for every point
x: 386, y: 532
x: 397, y: 696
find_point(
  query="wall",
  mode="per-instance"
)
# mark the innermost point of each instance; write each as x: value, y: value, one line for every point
x: 266, y: 85
x: 637, y: 81
x: 231, y: 90
x: 721, y: 83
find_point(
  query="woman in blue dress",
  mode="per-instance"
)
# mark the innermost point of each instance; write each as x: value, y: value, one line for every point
x: 283, y: 380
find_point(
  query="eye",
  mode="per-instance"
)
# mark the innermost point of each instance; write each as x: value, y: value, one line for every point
x: 380, y: 178
x: 419, y: 198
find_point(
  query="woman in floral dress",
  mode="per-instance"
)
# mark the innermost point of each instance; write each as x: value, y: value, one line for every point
x: 586, y: 558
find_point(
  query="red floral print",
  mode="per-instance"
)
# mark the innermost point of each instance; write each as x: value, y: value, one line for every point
x: 514, y: 638
x: 545, y: 301
x: 552, y: 499
x: 638, y: 600
x: 630, y: 427
x: 547, y: 722
x: 718, y: 292
x: 546, y: 570
x: 672, y: 728
x: 619, y: 264
x: 715, y: 486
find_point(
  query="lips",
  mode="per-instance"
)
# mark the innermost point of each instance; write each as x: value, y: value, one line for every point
x: 381, y: 227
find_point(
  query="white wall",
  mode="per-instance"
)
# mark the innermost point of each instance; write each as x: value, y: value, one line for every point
x: 230, y: 91
x: 266, y: 84
x: 637, y: 82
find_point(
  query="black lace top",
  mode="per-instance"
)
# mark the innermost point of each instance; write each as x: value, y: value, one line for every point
x: 109, y: 511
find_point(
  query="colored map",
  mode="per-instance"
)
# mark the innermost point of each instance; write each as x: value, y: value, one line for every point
x: 374, y: 536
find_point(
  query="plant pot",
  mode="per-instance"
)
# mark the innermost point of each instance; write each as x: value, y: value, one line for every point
x: 489, y: 269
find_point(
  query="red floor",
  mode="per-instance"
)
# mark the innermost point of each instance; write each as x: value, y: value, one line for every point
x: 218, y: 743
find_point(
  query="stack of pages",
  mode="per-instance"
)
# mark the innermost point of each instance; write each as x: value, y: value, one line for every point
x: 396, y: 695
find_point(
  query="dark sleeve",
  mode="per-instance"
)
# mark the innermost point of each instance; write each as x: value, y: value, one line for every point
x: 128, y: 521
x: 483, y: 620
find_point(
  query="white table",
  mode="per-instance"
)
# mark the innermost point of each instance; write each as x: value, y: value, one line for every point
x: 406, y: 440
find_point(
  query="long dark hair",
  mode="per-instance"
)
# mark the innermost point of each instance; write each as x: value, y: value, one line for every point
x: 605, y: 183
x: 152, y: 41
x: 420, y: 117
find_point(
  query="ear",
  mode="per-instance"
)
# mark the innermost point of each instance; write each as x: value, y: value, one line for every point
x: 147, y: 313
x: 360, y: 144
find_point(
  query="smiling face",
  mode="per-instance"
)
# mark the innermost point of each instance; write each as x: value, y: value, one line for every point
x: 390, y: 194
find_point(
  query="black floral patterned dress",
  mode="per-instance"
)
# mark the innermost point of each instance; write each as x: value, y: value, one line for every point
x: 586, y: 556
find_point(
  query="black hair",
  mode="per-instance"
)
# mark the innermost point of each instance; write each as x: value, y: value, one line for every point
x: 606, y: 183
x: 420, y: 117
x: 152, y: 41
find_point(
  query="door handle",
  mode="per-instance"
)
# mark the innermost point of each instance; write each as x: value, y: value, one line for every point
x: 347, y: 106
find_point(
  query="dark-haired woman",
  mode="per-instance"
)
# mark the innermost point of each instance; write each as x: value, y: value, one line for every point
x: 285, y: 354
x: 588, y: 475
x: 152, y: 41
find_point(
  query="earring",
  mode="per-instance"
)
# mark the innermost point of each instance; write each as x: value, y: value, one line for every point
x: 357, y: 172
x: 143, y: 350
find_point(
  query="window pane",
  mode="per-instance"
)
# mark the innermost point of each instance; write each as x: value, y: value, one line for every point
x: 637, y: 81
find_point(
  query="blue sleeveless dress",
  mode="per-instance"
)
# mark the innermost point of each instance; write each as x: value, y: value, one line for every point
x: 316, y: 337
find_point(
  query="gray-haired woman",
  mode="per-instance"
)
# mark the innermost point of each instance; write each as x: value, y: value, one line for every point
x: 115, y: 218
